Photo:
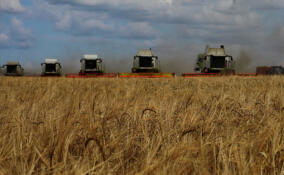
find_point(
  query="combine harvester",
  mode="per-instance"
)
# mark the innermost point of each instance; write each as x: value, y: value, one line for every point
x: 146, y: 65
x: 13, y: 69
x: 267, y: 70
x: 213, y: 63
x: 91, y: 67
x: 51, y: 67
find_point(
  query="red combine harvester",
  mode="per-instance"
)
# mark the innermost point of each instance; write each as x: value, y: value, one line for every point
x: 270, y: 70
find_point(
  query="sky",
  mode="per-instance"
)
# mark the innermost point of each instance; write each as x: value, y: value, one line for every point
x: 176, y: 30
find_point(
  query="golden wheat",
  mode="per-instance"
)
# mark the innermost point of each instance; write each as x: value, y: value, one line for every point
x: 225, y: 125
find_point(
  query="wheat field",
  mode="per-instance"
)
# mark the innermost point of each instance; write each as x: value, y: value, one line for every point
x: 223, y: 125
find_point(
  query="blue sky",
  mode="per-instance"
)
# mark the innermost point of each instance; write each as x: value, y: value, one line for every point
x: 177, y: 30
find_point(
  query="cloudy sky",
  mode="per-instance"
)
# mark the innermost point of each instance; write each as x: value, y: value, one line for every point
x: 176, y: 30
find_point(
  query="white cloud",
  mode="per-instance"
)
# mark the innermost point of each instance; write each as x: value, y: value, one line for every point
x: 159, y: 11
x: 64, y: 21
x: 86, y: 23
x: 21, y: 36
x: 12, y: 6
x: 3, y: 37
x: 4, y: 40
x: 265, y: 4
x: 16, y: 35
x: 138, y: 30
x: 235, y: 22
x: 18, y: 29
x: 90, y: 25
x: 122, y: 4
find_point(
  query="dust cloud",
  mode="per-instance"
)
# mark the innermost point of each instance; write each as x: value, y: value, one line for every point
x: 244, y: 62
x: 178, y: 58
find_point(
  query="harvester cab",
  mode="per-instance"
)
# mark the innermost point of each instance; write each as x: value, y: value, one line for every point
x: 13, y: 69
x: 91, y: 64
x: 215, y: 60
x: 51, y: 67
x: 145, y: 62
